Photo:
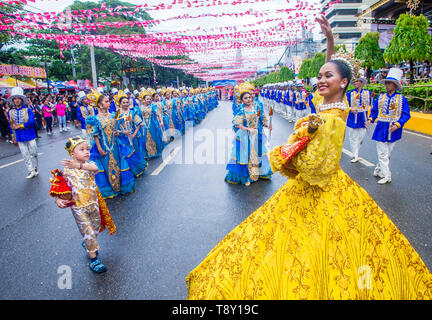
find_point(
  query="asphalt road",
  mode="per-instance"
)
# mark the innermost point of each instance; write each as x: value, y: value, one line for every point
x: 178, y: 213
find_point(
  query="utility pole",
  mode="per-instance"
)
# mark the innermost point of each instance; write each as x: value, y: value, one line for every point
x: 92, y: 60
x: 93, y: 66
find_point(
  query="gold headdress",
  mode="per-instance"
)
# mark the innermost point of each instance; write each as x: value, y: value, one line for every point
x: 72, y: 143
x: 163, y: 91
x: 142, y: 94
x: 94, y: 97
x: 119, y: 95
x: 348, y: 59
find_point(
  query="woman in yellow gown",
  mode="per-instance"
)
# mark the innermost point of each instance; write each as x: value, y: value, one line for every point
x: 320, y: 236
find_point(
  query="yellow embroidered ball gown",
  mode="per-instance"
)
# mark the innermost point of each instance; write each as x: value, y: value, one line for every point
x: 320, y: 236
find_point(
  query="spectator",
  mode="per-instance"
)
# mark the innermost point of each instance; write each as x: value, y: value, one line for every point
x: 4, y: 123
x: 48, y: 115
x: 61, y: 114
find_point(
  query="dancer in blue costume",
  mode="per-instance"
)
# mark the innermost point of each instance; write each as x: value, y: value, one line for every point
x: 236, y: 101
x: 158, y: 107
x: 129, y: 124
x: 114, y: 176
x: 151, y: 130
x: 194, y: 106
x: 167, y: 104
x: 249, y: 160
x: 177, y: 111
x: 187, y: 113
x: 202, y: 104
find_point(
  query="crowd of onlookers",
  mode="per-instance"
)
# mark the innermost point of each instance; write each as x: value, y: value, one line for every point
x: 51, y: 110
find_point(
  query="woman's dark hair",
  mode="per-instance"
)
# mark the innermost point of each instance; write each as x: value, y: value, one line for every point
x: 243, y: 94
x: 344, y: 71
x: 121, y: 99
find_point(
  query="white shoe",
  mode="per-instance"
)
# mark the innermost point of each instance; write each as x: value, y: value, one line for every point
x: 355, y: 159
x: 36, y: 172
x: 384, y: 180
x: 247, y: 184
x: 31, y: 175
x: 378, y: 174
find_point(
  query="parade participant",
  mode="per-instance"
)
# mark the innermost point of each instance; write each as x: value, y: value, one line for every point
x: 391, y: 110
x: 249, y: 161
x: 187, y: 112
x: 156, y: 101
x: 177, y: 111
x: 22, y: 121
x: 84, y: 111
x: 300, y: 101
x: 129, y: 123
x: 236, y: 101
x: 320, y: 232
x: 89, y: 209
x: 167, y: 104
x: 135, y: 99
x: 113, y: 107
x: 310, y: 100
x: 360, y: 101
x: 291, y: 102
x: 151, y: 130
x: 114, y: 176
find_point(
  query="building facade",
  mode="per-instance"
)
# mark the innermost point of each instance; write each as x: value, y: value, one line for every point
x: 343, y: 19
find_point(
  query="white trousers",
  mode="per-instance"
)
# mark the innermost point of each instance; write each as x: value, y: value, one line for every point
x: 29, y: 152
x: 356, y: 137
x: 290, y: 113
x: 384, y: 150
x: 281, y: 107
x: 300, y: 114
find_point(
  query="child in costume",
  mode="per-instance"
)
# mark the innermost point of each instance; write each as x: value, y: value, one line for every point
x: 89, y: 209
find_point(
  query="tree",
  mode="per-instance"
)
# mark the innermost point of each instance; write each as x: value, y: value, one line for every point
x: 411, y: 41
x: 370, y: 52
x: 311, y: 67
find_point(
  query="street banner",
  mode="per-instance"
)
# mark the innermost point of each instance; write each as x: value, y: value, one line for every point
x: 16, y: 70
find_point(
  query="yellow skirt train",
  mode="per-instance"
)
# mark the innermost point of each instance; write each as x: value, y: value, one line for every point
x: 320, y: 236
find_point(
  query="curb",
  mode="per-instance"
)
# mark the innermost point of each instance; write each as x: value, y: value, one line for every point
x: 420, y: 122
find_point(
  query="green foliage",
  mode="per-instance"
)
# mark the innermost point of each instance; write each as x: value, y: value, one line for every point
x: 369, y: 51
x: 411, y: 40
x: 284, y: 75
x: 311, y: 67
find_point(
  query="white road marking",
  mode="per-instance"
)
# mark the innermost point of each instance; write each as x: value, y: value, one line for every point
x: 363, y: 161
x: 166, y: 161
x: 15, y: 162
x: 418, y: 134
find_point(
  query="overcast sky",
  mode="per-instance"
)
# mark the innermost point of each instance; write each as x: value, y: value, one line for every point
x: 269, y: 56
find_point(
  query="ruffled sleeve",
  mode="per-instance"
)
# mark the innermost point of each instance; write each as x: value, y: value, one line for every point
x: 92, y: 126
x: 281, y: 157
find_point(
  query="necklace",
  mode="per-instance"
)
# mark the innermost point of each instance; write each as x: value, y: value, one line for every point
x: 335, y: 105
